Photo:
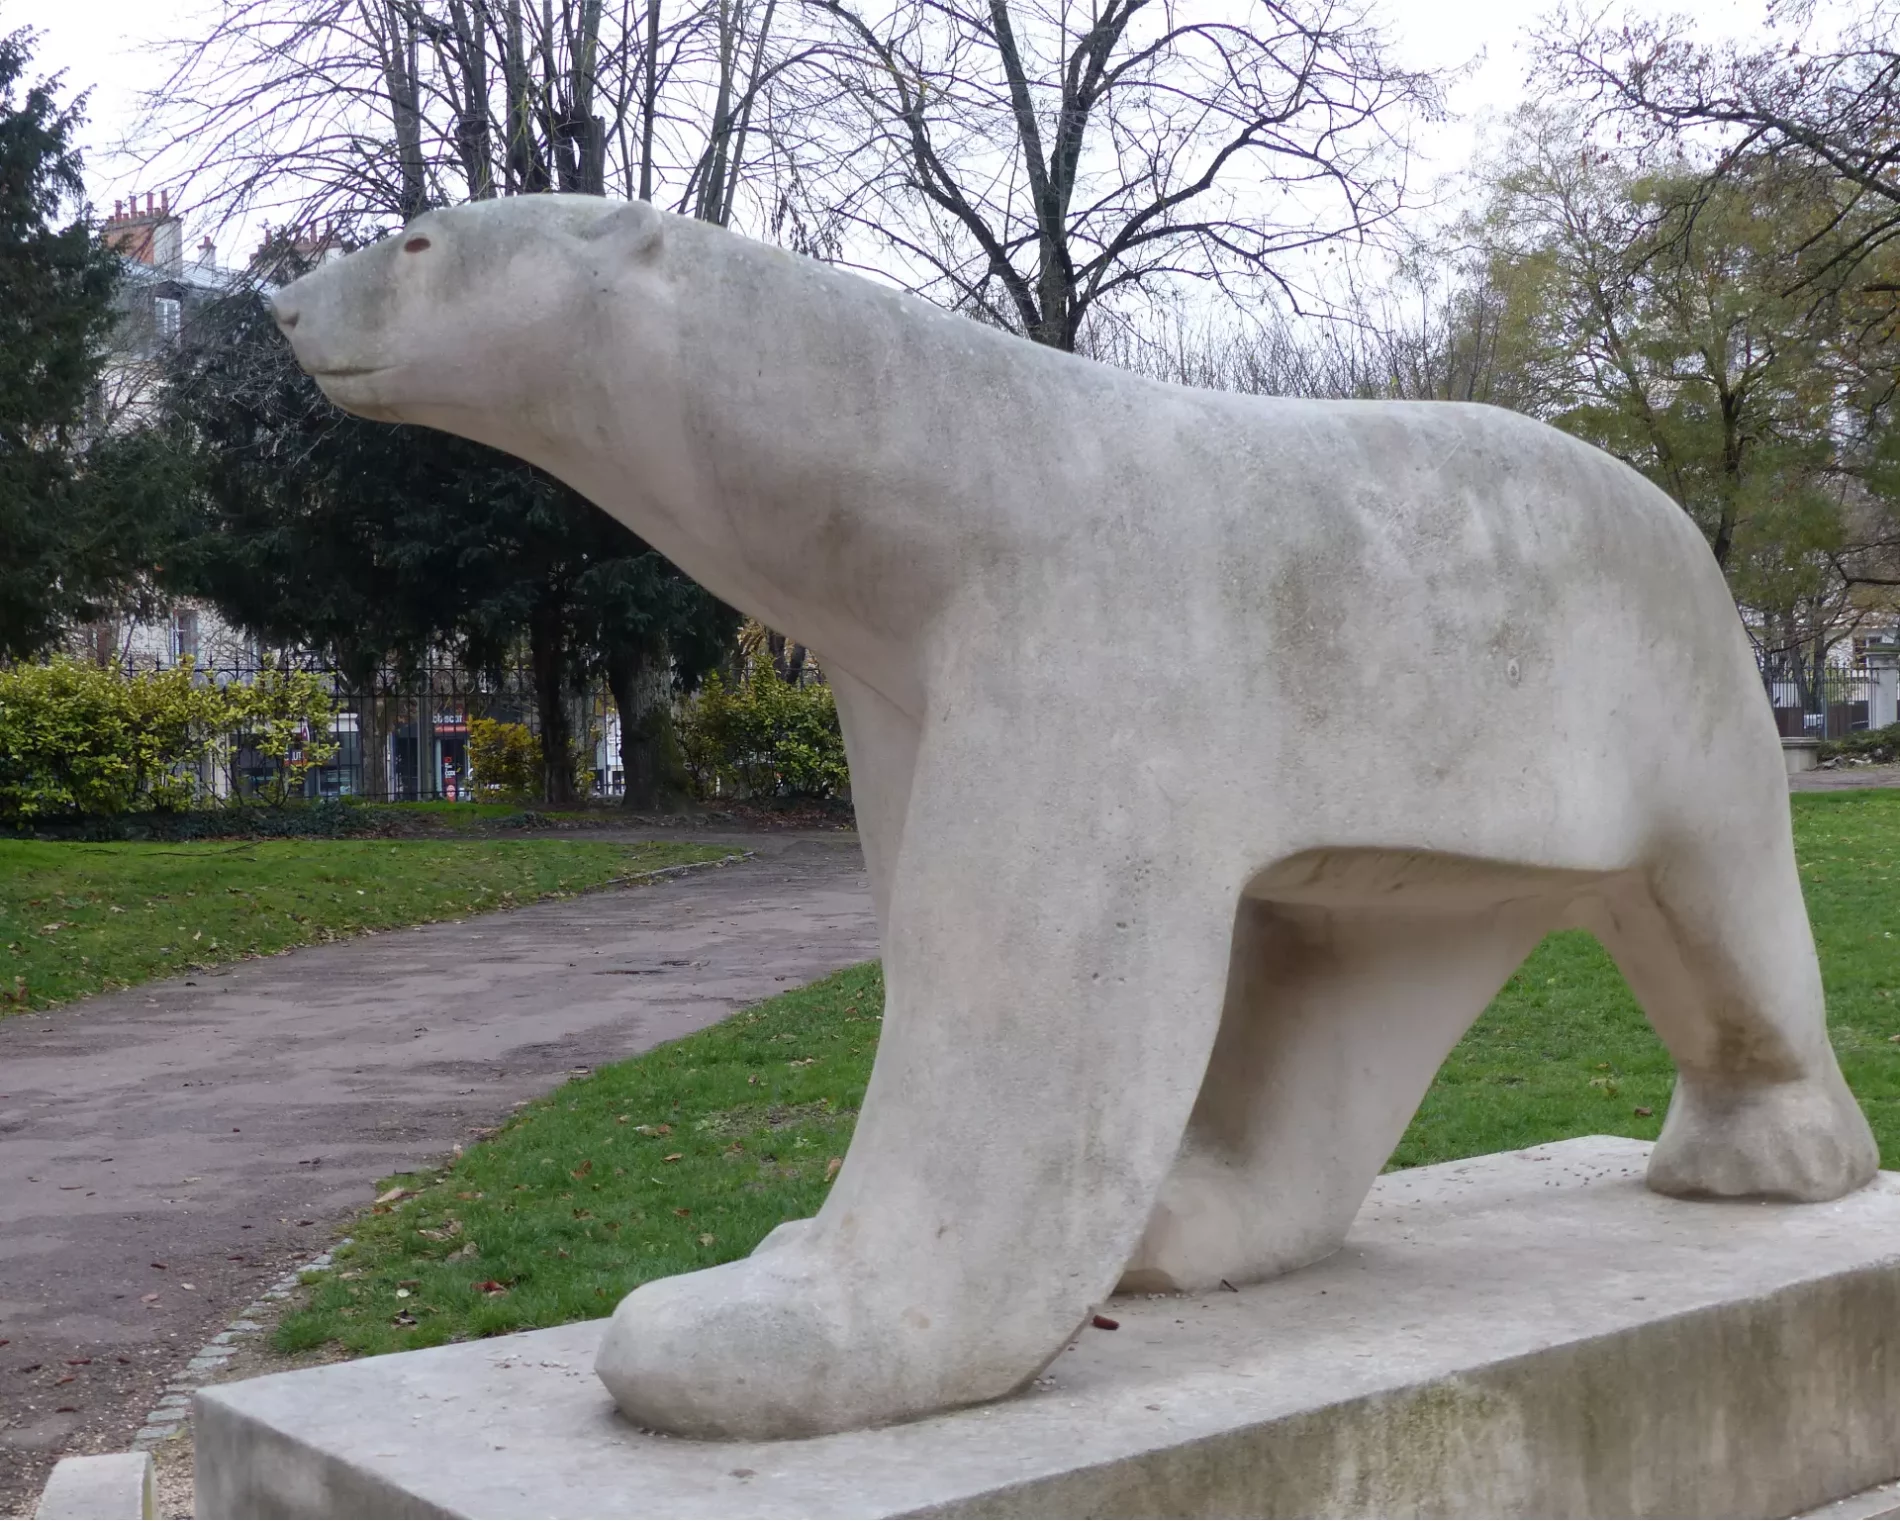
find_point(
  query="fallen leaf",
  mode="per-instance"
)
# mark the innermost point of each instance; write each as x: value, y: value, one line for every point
x: 1103, y: 1323
x: 160, y: 1266
x: 682, y: 1213
x: 148, y: 1299
x: 490, y: 1287
x: 392, y: 1196
x: 192, y: 1286
x: 65, y: 1378
x: 831, y: 1168
x: 1643, y: 1111
x: 621, y: 1119
x: 71, y: 1362
x: 402, y: 1319
x: 402, y: 1293
x: 706, y: 1240
x: 65, y: 1410
x: 676, y: 1156
x: 582, y: 1171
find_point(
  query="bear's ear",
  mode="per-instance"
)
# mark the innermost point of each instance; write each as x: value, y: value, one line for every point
x: 631, y: 230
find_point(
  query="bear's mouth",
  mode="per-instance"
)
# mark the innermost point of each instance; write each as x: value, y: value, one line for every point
x: 349, y: 372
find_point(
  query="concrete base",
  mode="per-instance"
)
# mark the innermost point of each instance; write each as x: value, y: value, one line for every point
x: 112, y: 1486
x: 1532, y: 1334
x: 1881, y: 1503
x: 1800, y: 755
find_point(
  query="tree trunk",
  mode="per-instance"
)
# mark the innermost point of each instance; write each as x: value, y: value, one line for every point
x: 372, y: 742
x: 649, y: 99
x: 401, y: 78
x: 649, y: 756
x: 788, y: 659
x: 547, y: 653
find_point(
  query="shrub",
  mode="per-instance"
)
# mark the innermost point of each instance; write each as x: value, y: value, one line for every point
x: 1881, y: 746
x: 504, y: 762
x: 763, y: 738
x: 85, y: 739
x: 285, y: 717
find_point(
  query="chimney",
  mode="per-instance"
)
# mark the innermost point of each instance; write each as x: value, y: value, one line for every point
x: 152, y: 236
x: 168, y: 242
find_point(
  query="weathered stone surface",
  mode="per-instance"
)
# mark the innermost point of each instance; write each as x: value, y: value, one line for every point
x: 114, y: 1486
x: 1216, y: 758
x: 1532, y: 1334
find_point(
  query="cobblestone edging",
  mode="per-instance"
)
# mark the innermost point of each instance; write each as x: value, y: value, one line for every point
x: 174, y: 1408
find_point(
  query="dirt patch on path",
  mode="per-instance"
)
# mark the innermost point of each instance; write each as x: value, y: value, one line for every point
x: 1842, y: 778
x: 169, y: 1151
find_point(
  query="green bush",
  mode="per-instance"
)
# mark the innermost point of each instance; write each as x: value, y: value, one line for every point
x: 504, y: 762
x: 764, y: 738
x: 1881, y: 746
x: 85, y: 739
x: 284, y: 716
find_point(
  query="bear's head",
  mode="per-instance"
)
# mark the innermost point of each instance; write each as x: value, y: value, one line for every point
x: 470, y: 319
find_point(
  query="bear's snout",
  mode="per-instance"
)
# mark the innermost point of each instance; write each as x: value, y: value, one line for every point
x: 283, y: 309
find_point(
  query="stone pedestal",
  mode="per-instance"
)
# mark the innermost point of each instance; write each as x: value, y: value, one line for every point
x: 1801, y: 755
x: 1528, y: 1334
x: 112, y: 1486
x: 1883, y: 695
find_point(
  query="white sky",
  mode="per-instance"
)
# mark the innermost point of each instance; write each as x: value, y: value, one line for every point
x: 102, y: 45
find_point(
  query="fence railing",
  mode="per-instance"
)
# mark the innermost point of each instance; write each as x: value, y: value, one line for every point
x: 404, y: 738
x: 1833, y: 701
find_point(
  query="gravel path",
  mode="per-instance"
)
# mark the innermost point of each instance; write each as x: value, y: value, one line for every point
x: 1841, y: 778
x: 167, y: 1152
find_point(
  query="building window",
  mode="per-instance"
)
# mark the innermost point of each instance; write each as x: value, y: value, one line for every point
x: 167, y: 314
x: 185, y: 635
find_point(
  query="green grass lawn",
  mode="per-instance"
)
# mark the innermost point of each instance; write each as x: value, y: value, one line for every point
x: 688, y: 1155
x: 82, y: 918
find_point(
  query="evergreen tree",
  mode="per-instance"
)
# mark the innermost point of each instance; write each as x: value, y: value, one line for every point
x: 60, y: 549
x: 373, y: 542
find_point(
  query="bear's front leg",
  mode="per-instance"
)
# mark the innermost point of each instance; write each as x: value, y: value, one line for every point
x: 1054, y: 984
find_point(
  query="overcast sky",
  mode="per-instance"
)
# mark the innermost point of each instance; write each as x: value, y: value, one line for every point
x: 102, y: 45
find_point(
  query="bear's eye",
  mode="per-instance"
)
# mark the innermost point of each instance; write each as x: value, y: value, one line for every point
x: 415, y: 245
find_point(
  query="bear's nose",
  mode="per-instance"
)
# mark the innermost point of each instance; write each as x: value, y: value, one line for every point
x: 284, y: 311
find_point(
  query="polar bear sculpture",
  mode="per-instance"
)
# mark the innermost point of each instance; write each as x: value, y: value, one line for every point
x: 1217, y: 758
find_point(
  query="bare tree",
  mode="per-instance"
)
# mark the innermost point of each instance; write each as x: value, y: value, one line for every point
x: 1440, y: 328
x: 368, y: 111
x: 1829, y: 108
x: 1030, y: 161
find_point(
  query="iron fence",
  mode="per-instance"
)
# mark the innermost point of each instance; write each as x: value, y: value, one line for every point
x: 1827, y: 700
x: 404, y: 736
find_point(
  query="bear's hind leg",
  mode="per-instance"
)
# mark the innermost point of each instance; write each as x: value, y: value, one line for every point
x: 1336, y: 1021
x: 1719, y: 953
